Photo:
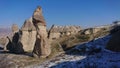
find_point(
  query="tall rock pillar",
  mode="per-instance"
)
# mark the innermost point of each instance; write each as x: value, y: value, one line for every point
x: 42, y: 46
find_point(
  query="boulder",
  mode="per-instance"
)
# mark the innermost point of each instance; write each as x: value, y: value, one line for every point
x: 114, y: 42
x: 59, y: 31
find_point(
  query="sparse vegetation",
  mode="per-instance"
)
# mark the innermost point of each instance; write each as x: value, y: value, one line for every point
x: 58, y: 46
x: 67, y: 42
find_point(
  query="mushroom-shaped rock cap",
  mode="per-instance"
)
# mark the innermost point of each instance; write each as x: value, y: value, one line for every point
x: 38, y: 17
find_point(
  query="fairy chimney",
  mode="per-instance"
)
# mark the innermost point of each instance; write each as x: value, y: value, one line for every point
x: 28, y: 35
x: 42, y: 46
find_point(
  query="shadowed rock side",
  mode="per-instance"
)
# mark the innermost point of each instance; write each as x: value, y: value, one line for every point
x: 14, y: 45
x: 42, y: 46
x: 31, y: 37
x: 114, y: 43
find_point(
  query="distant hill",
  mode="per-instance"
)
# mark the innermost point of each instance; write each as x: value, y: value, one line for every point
x: 4, y: 32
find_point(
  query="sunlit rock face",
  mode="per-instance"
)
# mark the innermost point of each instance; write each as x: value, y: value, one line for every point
x: 28, y: 35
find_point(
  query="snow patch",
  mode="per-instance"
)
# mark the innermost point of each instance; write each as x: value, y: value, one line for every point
x: 103, y: 59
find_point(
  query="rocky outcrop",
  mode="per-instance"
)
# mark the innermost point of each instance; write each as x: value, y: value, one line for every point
x: 59, y: 31
x: 97, y: 29
x: 42, y: 46
x: 28, y: 35
x: 32, y: 36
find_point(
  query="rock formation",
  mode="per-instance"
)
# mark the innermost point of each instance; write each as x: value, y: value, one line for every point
x: 38, y: 17
x: 42, y: 46
x: 32, y: 36
x: 28, y: 35
x: 59, y: 31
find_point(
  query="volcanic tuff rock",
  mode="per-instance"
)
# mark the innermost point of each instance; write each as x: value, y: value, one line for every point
x: 42, y: 46
x: 38, y: 17
x: 28, y: 35
x: 59, y: 31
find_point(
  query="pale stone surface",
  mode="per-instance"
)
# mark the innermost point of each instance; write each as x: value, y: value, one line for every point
x: 42, y: 46
x: 28, y: 35
x: 59, y: 31
x: 28, y: 40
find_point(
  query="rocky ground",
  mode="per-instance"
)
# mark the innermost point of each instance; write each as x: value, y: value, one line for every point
x: 88, y: 55
x: 91, y: 54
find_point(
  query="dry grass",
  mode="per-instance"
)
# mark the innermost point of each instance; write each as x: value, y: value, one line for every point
x: 58, y: 46
x: 67, y: 42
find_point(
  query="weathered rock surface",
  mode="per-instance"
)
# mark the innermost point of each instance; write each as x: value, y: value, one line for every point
x: 38, y: 17
x: 59, y: 31
x: 28, y: 35
x: 42, y: 46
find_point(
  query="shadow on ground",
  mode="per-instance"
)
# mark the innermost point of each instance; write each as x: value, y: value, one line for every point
x: 96, y: 56
x: 99, y: 60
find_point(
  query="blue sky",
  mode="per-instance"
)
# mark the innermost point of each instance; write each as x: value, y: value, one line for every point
x: 85, y: 13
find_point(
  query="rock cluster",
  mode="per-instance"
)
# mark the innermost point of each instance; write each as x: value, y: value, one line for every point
x: 95, y: 30
x: 59, y: 31
x: 31, y: 37
x: 28, y: 35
